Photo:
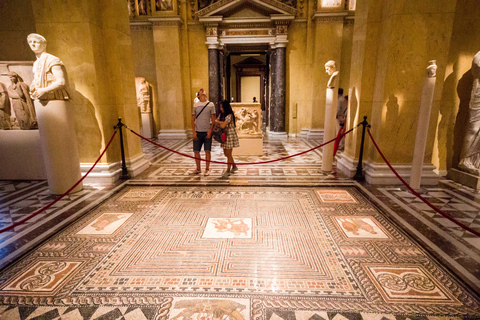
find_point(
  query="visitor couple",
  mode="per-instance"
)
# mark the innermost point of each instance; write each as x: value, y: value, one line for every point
x: 203, y: 123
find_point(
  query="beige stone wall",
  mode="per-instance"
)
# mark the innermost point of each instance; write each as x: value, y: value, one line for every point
x: 144, y: 65
x: 16, y: 23
x: 298, y: 86
x: 94, y: 43
x: 453, y: 104
x: 394, y: 41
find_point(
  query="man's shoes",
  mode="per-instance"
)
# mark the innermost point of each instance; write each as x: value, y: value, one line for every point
x: 235, y: 168
x: 207, y: 172
x: 226, y: 174
x: 197, y: 171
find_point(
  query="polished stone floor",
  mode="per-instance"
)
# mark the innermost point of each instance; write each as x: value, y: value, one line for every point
x: 273, y: 241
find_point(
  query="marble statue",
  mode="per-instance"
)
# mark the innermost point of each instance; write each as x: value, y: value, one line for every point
x: 331, y: 70
x: 5, y: 110
x: 55, y: 115
x: 49, y: 79
x: 470, y: 156
x: 143, y: 94
x: 22, y: 103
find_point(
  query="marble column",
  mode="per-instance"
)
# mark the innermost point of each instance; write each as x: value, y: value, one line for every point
x: 221, y: 75
x: 213, y: 77
x: 272, y: 87
x: 277, y: 113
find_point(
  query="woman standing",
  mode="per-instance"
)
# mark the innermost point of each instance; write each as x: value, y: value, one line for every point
x: 227, y: 120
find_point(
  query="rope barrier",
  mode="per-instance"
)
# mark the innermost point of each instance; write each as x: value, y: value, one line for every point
x: 419, y: 195
x: 63, y: 195
x: 240, y: 163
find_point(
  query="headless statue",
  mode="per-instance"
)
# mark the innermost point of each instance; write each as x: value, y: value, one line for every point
x: 470, y: 156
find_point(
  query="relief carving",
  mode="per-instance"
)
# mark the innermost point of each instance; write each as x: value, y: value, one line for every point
x: 248, y: 121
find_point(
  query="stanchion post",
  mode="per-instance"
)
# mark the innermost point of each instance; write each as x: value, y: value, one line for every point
x: 124, y: 175
x: 359, y: 176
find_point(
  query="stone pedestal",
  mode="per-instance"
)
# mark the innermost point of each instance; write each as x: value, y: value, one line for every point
x: 147, y: 125
x: 248, y: 119
x: 422, y: 130
x: 21, y: 155
x: 59, y: 145
x: 329, y: 133
x: 465, y: 178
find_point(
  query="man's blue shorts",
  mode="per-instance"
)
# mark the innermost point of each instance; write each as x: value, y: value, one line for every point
x: 202, y: 140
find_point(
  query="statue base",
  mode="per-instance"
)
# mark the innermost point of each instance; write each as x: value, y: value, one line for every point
x: 59, y: 145
x: 147, y: 125
x: 465, y: 178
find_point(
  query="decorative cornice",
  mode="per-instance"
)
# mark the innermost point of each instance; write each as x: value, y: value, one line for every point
x: 166, y: 21
x: 282, y: 6
x: 248, y: 25
x: 249, y: 32
x: 329, y: 16
x: 140, y: 25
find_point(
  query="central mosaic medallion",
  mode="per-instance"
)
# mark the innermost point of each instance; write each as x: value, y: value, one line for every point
x: 228, y: 228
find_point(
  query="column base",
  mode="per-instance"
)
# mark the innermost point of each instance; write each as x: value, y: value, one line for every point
x: 465, y: 178
x: 277, y: 135
x: 380, y: 174
x: 347, y: 165
x: 172, y: 134
x: 108, y: 173
x: 315, y: 134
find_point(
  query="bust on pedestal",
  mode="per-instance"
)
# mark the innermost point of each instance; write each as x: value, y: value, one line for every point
x: 330, y: 113
x: 144, y: 97
x: 54, y: 116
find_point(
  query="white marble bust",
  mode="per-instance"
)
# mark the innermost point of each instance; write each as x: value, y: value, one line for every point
x: 49, y: 82
x: 432, y: 69
x: 331, y: 70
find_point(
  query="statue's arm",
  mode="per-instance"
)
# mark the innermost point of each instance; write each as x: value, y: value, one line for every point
x: 59, y: 82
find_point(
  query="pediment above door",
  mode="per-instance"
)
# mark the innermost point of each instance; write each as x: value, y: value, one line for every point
x: 246, y: 21
x: 245, y: 8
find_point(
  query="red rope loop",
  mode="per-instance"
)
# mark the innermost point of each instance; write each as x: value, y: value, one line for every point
x: 240, y: 163
x: 63, y: 195
x: 419, y: 195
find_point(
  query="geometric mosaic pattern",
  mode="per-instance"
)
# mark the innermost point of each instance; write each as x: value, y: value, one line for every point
x: 289, y: 254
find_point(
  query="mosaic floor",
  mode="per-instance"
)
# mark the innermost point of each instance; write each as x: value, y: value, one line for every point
x: 236, y: 253
x: 293, y: 244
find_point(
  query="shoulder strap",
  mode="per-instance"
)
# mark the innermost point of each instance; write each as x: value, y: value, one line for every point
x: 202, y: 109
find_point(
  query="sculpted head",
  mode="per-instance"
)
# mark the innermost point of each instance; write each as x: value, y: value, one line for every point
x: 432, y: 68
x: 330, y: 67
x: 14, y: 77
x: 37, y: 43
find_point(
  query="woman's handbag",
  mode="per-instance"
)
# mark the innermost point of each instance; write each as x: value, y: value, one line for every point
x: 219, y: 134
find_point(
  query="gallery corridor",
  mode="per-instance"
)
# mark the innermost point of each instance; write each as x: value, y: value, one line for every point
x: 274, y: 241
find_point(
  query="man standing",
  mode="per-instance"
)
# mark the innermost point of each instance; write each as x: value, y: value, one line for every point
x: 203, y: 121
x: 341, y: 118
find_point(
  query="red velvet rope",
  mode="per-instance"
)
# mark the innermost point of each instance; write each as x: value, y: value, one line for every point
x: 63, y: 195
x: 239, y: 163
x: 418, y: 195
